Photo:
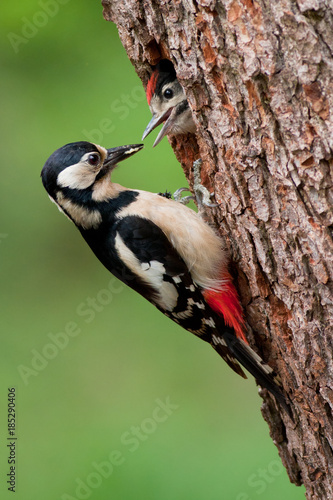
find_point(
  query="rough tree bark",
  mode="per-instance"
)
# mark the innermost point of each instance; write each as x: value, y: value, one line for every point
x: 258, y: 76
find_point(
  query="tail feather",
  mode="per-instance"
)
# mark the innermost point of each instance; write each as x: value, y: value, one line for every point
x: 264, y: 374
x: 222, y: 348
x: 251, y: 361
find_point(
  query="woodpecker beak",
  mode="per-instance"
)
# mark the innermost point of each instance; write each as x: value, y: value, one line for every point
x: 156, y: 121
x: 115, y: 155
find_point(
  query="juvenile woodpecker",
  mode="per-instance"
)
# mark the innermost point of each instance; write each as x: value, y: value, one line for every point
x: 168, y: 103
x: 160, y: 248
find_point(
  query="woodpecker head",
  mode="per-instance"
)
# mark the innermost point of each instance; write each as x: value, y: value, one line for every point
x: 79, y: 166
x: 168, y: 103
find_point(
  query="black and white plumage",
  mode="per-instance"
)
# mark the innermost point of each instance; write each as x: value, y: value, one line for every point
x: 158, y: 247
x: 167, y: 103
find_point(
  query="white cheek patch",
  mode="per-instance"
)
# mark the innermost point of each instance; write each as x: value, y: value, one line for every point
x: 87, y: 219
x: 151, y: 272
x: 184, y: 123
x: 78, y: 176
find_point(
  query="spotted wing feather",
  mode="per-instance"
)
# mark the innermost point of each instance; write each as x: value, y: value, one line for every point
x: 152, y: 257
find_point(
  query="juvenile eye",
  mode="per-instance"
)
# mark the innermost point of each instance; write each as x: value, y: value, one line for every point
x: 168, y: 93
x: 93, y: 159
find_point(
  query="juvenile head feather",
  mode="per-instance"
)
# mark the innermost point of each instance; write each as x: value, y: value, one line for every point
x: 151, y: 86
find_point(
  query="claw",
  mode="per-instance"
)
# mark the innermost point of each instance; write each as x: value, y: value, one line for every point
x: 187, y: 199
x: 203, y: 197
x: 177, y: 196
x: 202, y: 194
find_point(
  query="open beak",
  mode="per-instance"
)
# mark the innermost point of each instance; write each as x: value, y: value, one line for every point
x: 156, y: 121
x: 115, y: 155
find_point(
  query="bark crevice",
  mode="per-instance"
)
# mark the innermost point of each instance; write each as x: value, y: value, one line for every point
x: 258, y: 77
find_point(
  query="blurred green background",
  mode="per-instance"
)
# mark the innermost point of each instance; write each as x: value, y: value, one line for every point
x: 113, y: 400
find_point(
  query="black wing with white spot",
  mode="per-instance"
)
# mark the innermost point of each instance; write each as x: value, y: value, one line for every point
x: 151, y: 257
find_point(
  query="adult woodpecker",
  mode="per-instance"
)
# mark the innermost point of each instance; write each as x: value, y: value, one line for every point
x: 168, y: 103
x: 160, y: 248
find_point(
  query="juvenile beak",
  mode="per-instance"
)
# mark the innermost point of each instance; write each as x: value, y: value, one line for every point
x: 155, y: 122
x: 115, y: 155
x: 167, y: 128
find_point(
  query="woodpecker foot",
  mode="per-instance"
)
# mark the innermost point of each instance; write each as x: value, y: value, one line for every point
x: 177, y: 196
x: 202, y: 195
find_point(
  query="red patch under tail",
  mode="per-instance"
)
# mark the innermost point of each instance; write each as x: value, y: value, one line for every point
x: 226, y: 303
x: 151, y: 86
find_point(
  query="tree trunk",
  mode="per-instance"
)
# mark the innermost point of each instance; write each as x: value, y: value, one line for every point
x: 258, y: 76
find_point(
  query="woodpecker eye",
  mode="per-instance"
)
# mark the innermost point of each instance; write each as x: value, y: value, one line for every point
x: 168, y: 93
x: 93, y: 159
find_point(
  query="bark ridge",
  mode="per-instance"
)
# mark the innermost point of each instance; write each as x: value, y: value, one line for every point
x: 258, y: 77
